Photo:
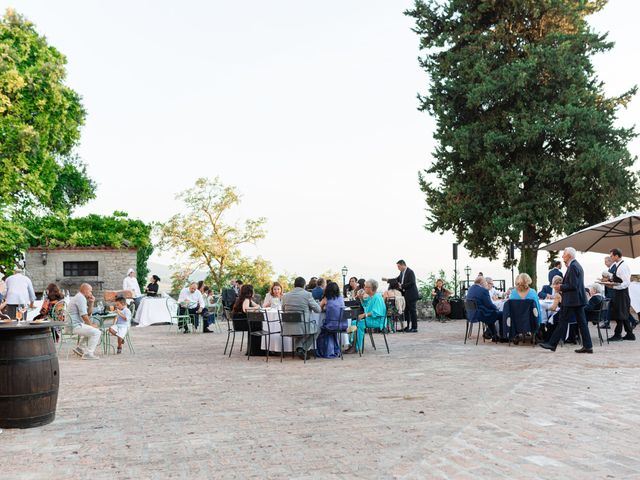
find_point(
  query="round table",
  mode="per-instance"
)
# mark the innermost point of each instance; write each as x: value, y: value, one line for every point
x: 152, y: 310
x: 29, y: 374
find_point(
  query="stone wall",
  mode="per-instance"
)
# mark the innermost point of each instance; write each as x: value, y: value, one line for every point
x: 112, y: 268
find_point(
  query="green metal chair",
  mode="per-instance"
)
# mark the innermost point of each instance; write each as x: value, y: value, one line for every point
x: 180, y: 319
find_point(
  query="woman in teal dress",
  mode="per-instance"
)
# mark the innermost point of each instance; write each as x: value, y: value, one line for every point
x: 374, y: 316
x: 523, y: 291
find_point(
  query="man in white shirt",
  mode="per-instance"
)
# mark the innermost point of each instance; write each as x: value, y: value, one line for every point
x: 621, y: 302
x: 190, y: 301
x: 493, y: 292
x: 19, y: 292
x: 80, y: 308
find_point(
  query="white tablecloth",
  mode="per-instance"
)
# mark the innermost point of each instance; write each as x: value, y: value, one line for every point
x: 31, y: 314
x: 634, y: 293
x: 154, y: 310
x: 276, y: 339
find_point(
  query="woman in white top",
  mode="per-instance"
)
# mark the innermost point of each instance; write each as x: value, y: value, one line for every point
x: 273, y: 299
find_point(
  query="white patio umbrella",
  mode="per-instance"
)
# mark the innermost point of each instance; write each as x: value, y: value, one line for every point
x: 622, y: 232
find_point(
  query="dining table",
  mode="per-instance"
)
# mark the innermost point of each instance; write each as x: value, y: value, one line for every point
x: 277, y: 343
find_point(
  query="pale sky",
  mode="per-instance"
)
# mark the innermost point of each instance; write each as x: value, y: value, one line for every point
x: 308, y: 108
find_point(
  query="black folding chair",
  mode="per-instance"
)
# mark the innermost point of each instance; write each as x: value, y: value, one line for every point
x: 371, y: 331
x: 471, y: 308
x: 288, y: 319
x: 235, y: 323
x: 393, y: 315
x: 522, y: 320
x: 253, y: 320
x: 343, y: 324
x: 598, y: 316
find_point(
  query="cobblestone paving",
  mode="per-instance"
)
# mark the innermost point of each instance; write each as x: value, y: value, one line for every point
x: 433, y: 408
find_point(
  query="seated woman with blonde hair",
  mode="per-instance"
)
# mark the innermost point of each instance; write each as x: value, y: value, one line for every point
x: 523, y: 291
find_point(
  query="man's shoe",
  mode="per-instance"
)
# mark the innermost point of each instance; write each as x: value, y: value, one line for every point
x: 629, y: 336
x: 584, y: 350
x: 615, y: 338
x: 119, y: 350
x: 413, y: 330
x: 486, y: 335
x: 546, y: 346
x: 206, y: 330
x: 89, y: 356
x: 78, y: 351
x: 407, y: 329
x: 300, y: 352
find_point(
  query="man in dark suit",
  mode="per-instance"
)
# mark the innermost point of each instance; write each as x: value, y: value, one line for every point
x: 230, y: 294
x: 486, y: 311
x: 574, y: 298
x: 409, y: 289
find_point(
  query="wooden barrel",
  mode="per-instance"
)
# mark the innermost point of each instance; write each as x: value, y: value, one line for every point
x: 29, y: 377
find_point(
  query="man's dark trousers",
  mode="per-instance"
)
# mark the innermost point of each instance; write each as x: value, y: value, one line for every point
x: 565, y: 315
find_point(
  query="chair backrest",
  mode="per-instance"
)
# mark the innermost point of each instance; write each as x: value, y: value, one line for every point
x: 521, y: 313
x: 239, y: 322
x: 292, y: 316
x: 470, y: 308
x: 351, y: 303
x: 604, y: 308
x: 256, y: 320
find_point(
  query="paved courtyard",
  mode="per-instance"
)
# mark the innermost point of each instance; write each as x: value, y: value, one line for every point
x: 433, y: 408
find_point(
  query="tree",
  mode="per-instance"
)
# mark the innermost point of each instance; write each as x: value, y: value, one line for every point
x: 40, y: 121
x: 204, y: 236
x: 526, y: 148
x: 257, y: 272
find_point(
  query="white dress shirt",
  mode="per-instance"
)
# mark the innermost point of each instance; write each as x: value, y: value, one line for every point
x: 624, y: 274
x: 131, y: 283
x: 192, y: 300
x: 19, y: 290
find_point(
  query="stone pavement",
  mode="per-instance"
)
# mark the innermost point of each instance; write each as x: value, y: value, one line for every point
x: 433, y: 408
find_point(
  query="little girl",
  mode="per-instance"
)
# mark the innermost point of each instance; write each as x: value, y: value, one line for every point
x: 121, y: 322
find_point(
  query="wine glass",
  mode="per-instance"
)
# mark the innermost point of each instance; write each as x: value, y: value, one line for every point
x: 20, y: 309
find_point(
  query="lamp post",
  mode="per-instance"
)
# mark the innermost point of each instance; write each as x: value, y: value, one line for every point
x: 467, y: 270
x: 345, y: 270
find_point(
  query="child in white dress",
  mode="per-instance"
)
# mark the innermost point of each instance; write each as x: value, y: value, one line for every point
x: 121, y: 322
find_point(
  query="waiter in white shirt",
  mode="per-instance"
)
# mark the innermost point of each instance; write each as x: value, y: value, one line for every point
x: 621, y: 302
x: 191, y: 301
x: 130, y: 282
x: 19, y: 292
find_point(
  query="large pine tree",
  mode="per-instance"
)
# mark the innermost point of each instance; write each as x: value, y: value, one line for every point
x: 527, y: 146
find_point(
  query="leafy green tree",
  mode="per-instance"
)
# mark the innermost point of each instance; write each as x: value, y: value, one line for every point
x: 527, y: 146
x: 40, y: 121
x: 206, y: 238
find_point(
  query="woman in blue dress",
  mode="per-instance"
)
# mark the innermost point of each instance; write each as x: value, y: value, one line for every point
x: 333, y: 305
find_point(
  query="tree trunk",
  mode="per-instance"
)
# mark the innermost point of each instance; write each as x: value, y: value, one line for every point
x: 529, y: 256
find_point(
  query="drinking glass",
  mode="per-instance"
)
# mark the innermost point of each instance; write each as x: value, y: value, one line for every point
x: 20, y: 309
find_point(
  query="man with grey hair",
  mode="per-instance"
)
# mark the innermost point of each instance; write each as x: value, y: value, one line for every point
x: 574, y: 298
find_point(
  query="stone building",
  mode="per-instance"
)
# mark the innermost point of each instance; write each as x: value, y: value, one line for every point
x: 102, y: 267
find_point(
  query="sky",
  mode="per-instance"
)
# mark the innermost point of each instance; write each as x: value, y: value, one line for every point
x: 308, y: 108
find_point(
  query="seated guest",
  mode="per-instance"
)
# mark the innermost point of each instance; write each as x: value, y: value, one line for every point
x: 191, y: 302
x: 393, y: 293
x: 312, y: 284
x: 230, y: 294
x: 121, y: 323
x: 333, y: 304
x: 152, y: 288
x: 318, y: 292
x: 351, y: 288
x: 546, y: 293
x: 244, y: 303
x: 592, y: 309
x: 493, y: 292
x: 52, y: 307
x: 273, y: 298
x: 486, y: 312
x: 299, y: 300
x: 80, y: 307
x: 557, y: 300
x: 439, y: 293
x: 374, y: 316
x: 524, y: 292
x: 361, y: 282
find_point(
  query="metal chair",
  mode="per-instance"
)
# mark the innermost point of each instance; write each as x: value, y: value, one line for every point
x: 471, y: 308
x: 226, y: 312
x: 239, y: 323
x: 598, y: 316
x: 343, y: 324
x: 371, y: 331
x: 293, y: 317
x: 180, y: 319
x: 260, y: 318
x: 523, y: 319
x: 393, y: 315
